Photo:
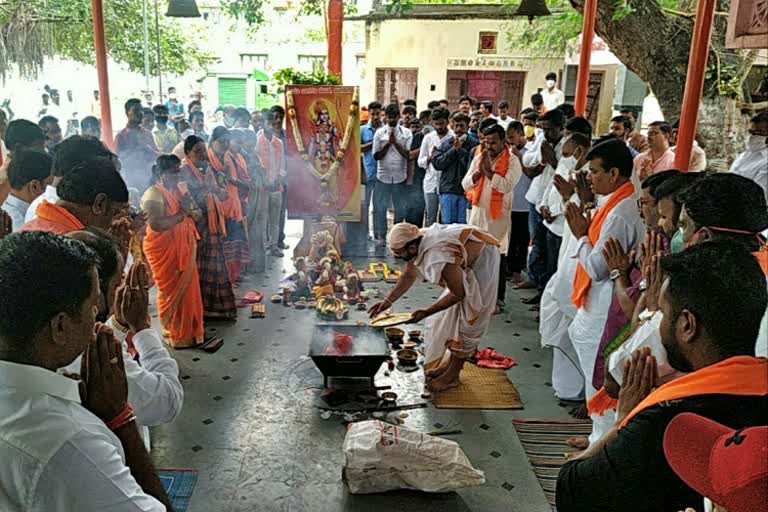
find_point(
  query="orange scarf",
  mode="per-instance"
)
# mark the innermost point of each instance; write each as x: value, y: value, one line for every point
x: 500, y: 167
x: 582, y: 282
x: 231, y: 206
x: 59, y: 215
x: 601, y: 402
x: 272, y: 172
x: 762, y: 258
x: 212, y: 203
x: 738, y: 375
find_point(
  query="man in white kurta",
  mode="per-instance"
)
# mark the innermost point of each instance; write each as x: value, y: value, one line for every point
x: 463, y: 259
x: 489, y: 183
x: 610, y: 171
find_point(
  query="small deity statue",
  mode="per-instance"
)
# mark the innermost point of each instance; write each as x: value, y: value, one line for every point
x: 352, y: 289
x: 322, y: 242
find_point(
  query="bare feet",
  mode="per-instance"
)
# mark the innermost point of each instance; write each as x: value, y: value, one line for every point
x: 449, y: 377
x: 578, y: 442
x: 435, y: 373
x: 574, y: 455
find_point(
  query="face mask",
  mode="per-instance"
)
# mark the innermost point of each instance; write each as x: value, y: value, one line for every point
x: 161, y: 119
x: 539, y: 132
x: 756, y: 142
x: 677, y: 244
x: 172, y: 96
x: 568, y: 162
x: 550, y: 83
x: 529, y: 131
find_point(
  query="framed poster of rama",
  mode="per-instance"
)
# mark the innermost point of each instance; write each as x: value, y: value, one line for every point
x: 323, y: 152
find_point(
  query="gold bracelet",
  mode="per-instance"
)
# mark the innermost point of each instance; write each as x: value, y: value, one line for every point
x: 119, y: 326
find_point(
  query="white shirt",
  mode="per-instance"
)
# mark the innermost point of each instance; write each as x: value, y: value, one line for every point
x: 552, y: 200
x: 154, y: 388
x: 428, y: 143
x: 540, y: 182
x: 625, y: 225
x: 17, y: 209
x: 753, y: 165
x: 55, y: 455
x: 504, y: 123
x: 553, y: 98
x: 480, y: 214
x: 49, y: 195
x: 393, y: 168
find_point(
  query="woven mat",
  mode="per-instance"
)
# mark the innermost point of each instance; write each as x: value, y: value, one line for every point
x: 179, y: 485
x: 480, y: 388
x: 544, y: 444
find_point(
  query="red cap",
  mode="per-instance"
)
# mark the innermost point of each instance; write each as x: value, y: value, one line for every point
x: 730, y: 467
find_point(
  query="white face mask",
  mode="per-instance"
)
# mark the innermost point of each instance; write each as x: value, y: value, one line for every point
x: 538, y: 132
x: 756, y: 142
x: 568, y: 162
x: 550, y: 83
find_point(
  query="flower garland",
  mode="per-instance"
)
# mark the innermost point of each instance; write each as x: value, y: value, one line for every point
x: 353, y: 113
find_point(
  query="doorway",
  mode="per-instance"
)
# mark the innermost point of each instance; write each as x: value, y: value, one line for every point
x: 493, y: 86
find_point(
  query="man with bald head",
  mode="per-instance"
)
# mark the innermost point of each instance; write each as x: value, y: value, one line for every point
x: 465, y: 260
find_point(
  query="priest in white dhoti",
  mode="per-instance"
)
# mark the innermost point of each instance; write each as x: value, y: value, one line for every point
x: 465, y: 261
x: 617, y: 217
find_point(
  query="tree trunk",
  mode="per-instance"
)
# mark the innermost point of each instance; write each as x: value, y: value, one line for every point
x: 656, y: 45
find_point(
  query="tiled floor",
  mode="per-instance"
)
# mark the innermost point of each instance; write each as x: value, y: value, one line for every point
x: 251, y: 427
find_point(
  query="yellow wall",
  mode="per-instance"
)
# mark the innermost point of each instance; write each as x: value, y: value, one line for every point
x: 427, y: 45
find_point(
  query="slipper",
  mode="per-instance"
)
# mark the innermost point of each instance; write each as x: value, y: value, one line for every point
x: 523, y: 285
x: 212, y: 344
x: 276, y: 299
x: 258, y: 310
x: 253, y: 296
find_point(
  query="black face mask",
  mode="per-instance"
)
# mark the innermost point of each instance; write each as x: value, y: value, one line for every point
x: 161, y: 119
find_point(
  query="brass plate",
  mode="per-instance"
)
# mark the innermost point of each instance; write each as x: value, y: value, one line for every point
x: 388, y: 320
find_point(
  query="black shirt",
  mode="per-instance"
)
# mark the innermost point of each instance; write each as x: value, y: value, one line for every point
x: 631, y: 473
x: 453, y: 164
x: 418, y: 172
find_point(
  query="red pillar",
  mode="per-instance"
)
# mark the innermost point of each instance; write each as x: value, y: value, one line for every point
x: 335, y: 24
x: 694, y: 82
x: 587, y: 34
x: 101, y: 69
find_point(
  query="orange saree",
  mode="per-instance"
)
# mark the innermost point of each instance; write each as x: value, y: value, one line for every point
x: 172, y: 256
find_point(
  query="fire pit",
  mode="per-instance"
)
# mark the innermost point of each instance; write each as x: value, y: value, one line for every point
x: 347, y: 351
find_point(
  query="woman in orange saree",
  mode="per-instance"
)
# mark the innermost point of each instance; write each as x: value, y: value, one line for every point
x: 170, y: 248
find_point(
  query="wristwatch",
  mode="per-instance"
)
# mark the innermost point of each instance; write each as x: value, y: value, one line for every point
x: 643, y: 285
x: 589, y: 205
x: 615, y: 274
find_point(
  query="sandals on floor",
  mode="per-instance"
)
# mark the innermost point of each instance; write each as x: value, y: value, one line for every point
x: 211, y: 344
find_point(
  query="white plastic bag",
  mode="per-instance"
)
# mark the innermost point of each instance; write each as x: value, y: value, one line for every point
x: 381, y: 457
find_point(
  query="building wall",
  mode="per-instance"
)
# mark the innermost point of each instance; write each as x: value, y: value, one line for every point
x: 435, y: 46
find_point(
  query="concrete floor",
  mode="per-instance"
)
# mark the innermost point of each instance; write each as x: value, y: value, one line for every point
x: 251, y: 427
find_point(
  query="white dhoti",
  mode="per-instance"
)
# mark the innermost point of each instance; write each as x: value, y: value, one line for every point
x: 556, y: 314
x: 465, y: 322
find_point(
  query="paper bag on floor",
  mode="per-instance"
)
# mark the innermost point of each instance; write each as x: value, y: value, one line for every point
x: 381, y: 457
